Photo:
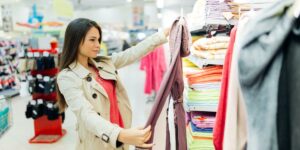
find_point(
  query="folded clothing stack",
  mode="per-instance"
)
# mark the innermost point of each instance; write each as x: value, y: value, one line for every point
x: 211, y: 48
x: 199, y: 131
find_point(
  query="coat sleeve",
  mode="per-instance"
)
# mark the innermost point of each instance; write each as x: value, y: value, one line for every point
x: 134, y: 53
x: 70, y: 87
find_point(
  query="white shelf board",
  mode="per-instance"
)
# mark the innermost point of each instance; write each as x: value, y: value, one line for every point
x: 200, y: 108
x: 203, y: 62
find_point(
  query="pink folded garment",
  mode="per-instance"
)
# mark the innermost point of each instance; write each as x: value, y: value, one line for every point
x: 203, y: 119
x: 203, y: 124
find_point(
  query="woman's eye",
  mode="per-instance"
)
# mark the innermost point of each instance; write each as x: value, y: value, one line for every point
x: 92, y: 40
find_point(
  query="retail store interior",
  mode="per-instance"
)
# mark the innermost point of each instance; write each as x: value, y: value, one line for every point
x: 203, y: 87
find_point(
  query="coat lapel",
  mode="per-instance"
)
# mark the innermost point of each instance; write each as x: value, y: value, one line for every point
x: 107, y: 71
x: 83, y: 73
x: 95, y: 85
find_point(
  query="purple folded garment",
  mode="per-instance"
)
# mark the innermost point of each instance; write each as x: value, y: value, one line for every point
x: 203, y: 119
x: 203, y: 125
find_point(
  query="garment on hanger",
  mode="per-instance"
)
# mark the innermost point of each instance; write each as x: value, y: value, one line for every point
x: 154, y: 65
x: 260, y: 61
x: 172, y: 85
x: 221, y: 113
x: 288, y: 115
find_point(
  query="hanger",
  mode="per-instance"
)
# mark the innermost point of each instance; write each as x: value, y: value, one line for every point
x: 181, y: 16
x: 294, y: 10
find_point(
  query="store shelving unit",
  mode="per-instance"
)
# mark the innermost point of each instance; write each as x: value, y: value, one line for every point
x: 46, y: 131
x: 5, y: 115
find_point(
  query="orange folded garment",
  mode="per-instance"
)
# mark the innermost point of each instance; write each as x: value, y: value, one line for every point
x: 205, y: 75
x: 205, y: 71
x: 206, y: 79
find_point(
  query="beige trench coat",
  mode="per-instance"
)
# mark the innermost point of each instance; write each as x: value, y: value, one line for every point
x: 89, y: 101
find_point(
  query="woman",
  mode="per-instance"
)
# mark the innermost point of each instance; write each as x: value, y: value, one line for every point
x: 90, y: 86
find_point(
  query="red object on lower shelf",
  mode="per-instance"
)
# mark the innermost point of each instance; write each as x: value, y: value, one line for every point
x: 47, y: 131
x: 49, y: 72
x: 51, y: 51
x: 48, y: 97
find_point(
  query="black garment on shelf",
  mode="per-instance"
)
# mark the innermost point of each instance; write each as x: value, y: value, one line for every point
x: 32, y: 85
x: 40, y: 108
x: 44, y: 63
x: 51, y: 110
x: 41, y: 86
x: 288, y: 115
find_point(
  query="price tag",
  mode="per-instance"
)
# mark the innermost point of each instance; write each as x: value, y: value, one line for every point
x: 32, y: 102
x: 36, y: 54
x: 39, y: 76
x: 40, y: 101
x: 46, y: 54
x: 46, y: 78
x: 50, y: 105
x: 41, y: 86
x: 34, y: 111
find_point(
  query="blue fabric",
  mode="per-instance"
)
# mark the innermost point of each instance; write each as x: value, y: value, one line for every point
x: 196, y: 129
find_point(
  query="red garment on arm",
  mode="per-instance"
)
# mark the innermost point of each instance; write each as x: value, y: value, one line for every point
x: 110, y: 88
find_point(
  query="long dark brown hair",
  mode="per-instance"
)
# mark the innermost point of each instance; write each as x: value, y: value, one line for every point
x: 74, y: 36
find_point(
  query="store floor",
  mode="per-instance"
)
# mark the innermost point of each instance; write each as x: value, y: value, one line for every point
x: 16, y: 138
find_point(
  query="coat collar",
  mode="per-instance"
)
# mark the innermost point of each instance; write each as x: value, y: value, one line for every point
x: 106, y: 70
x: 79, y: 70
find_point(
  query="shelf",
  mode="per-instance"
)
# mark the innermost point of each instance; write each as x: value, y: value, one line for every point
x: 211, y: 21
x: 221, y: 21
x: 49, y: 72
x: 9, y: 93
x: 196, y: 28
x: 203, y: 62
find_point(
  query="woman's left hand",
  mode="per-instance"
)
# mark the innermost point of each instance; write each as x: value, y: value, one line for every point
x: 167, y: 31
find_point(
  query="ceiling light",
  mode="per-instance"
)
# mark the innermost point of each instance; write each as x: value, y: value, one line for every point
x: 160, y: 3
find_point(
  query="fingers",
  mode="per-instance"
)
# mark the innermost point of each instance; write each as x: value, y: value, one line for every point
x: 167, y: 31
x: 148, y: 137
x: 147, y: 134
x: 147, y: 129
